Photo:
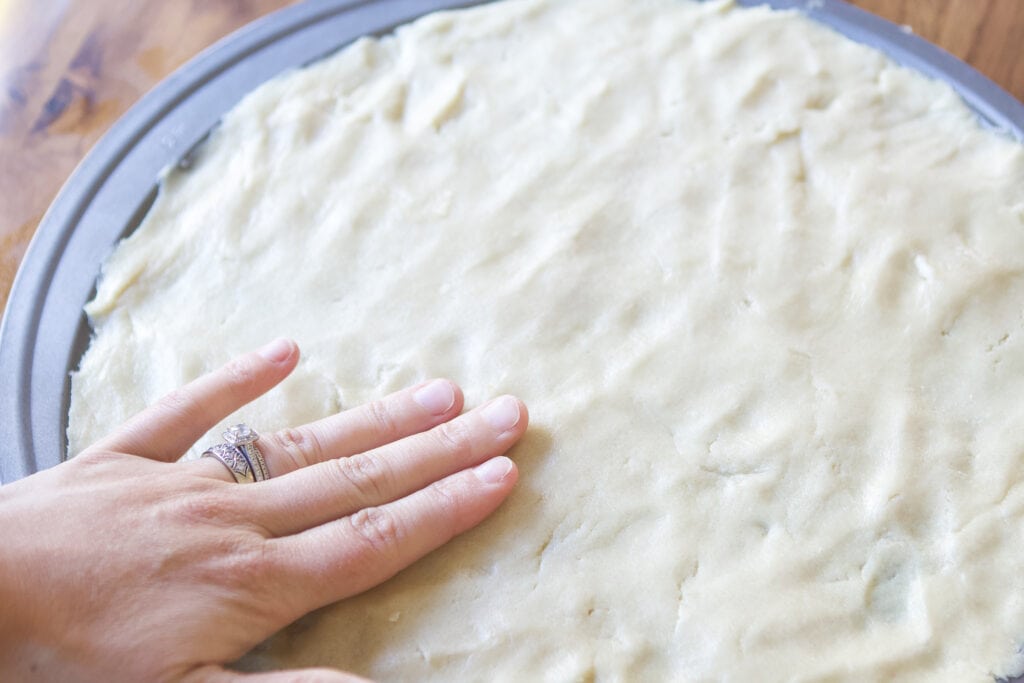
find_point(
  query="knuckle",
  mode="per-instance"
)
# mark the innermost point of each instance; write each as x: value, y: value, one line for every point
x: 364, y: 473
x: 382, y: 417
x: 205, y: 508
x: 302, y: 446
x: 378, y: 530
x: 454, y: 436
x: 91, y: 457
x: 93, y: 464
x: 258, y: 560
x: 239, y: 561
x: 181, y: 403
x: 226, y: 549
x: 447, y: 499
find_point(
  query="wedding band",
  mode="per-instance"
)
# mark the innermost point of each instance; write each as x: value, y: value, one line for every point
x: 234, y: 459
x: 244, y: 438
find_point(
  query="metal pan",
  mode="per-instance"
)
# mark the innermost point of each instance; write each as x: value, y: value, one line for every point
x: 44, y: 332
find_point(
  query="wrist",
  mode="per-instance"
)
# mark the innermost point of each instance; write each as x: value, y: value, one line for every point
x: 20, y: 656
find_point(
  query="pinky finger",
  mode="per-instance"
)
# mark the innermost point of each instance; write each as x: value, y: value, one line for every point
x: 355, y: 553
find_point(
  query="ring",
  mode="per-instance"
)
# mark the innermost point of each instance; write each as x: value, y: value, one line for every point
x: 243, y: 437
x: 240, y: 454
x: 234, y: 460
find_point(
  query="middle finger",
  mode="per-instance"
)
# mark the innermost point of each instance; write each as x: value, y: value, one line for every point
x: 335, y: 488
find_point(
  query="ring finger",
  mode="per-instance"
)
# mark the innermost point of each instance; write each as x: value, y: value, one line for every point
x: 360, y: 429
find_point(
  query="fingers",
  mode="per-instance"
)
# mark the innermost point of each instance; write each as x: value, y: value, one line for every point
x: 371, y: 425
x: 335, y: 488
x: 165, y: 430
x: 350, y: 555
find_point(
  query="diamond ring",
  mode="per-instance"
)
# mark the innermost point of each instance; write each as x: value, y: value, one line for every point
x: 240, y: 454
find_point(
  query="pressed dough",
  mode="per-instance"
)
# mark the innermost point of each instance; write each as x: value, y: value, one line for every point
x: 762, y: 289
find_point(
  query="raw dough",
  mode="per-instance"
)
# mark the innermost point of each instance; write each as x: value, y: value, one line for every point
x: 762, y: 289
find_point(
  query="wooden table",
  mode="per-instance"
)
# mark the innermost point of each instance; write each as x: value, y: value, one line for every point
x: 70, y: 68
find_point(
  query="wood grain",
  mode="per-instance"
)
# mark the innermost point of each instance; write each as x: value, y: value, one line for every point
x: 70, y: 68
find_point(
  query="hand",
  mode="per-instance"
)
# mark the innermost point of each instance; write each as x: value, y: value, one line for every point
x: 123, y: 564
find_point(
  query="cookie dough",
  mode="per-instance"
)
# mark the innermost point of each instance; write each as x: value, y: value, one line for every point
x: 762, y: 289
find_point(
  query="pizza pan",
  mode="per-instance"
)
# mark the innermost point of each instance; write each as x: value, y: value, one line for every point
x: 44, y: 332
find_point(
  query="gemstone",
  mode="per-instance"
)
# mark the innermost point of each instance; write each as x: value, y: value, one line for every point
x: 239, y: 434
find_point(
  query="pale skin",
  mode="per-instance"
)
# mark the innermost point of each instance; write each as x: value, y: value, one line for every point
x: 123, y: 564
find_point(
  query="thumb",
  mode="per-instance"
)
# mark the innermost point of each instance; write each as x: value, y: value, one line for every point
x: 216, y: 674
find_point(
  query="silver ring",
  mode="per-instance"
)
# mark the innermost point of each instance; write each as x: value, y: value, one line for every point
x: 244, y: 438
x: 240, y: 454
x: 234, y: 459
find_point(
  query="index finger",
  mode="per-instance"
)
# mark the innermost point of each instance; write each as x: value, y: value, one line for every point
x: 168, y: 428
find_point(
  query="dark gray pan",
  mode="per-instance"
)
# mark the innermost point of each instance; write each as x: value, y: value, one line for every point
x: 44, y: 332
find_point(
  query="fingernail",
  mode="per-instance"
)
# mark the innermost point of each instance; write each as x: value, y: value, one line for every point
x: 437, y: 397
x: 277, y: 350
x: 502, y: 413
x: 494, y: 470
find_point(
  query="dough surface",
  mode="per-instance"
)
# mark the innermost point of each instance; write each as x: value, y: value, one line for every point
x: 761, y: 288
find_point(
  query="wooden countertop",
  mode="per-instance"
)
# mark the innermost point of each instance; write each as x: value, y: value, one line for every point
x: 70, y: 68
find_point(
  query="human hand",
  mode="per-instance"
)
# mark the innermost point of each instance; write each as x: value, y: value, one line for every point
x: 123, y: 564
